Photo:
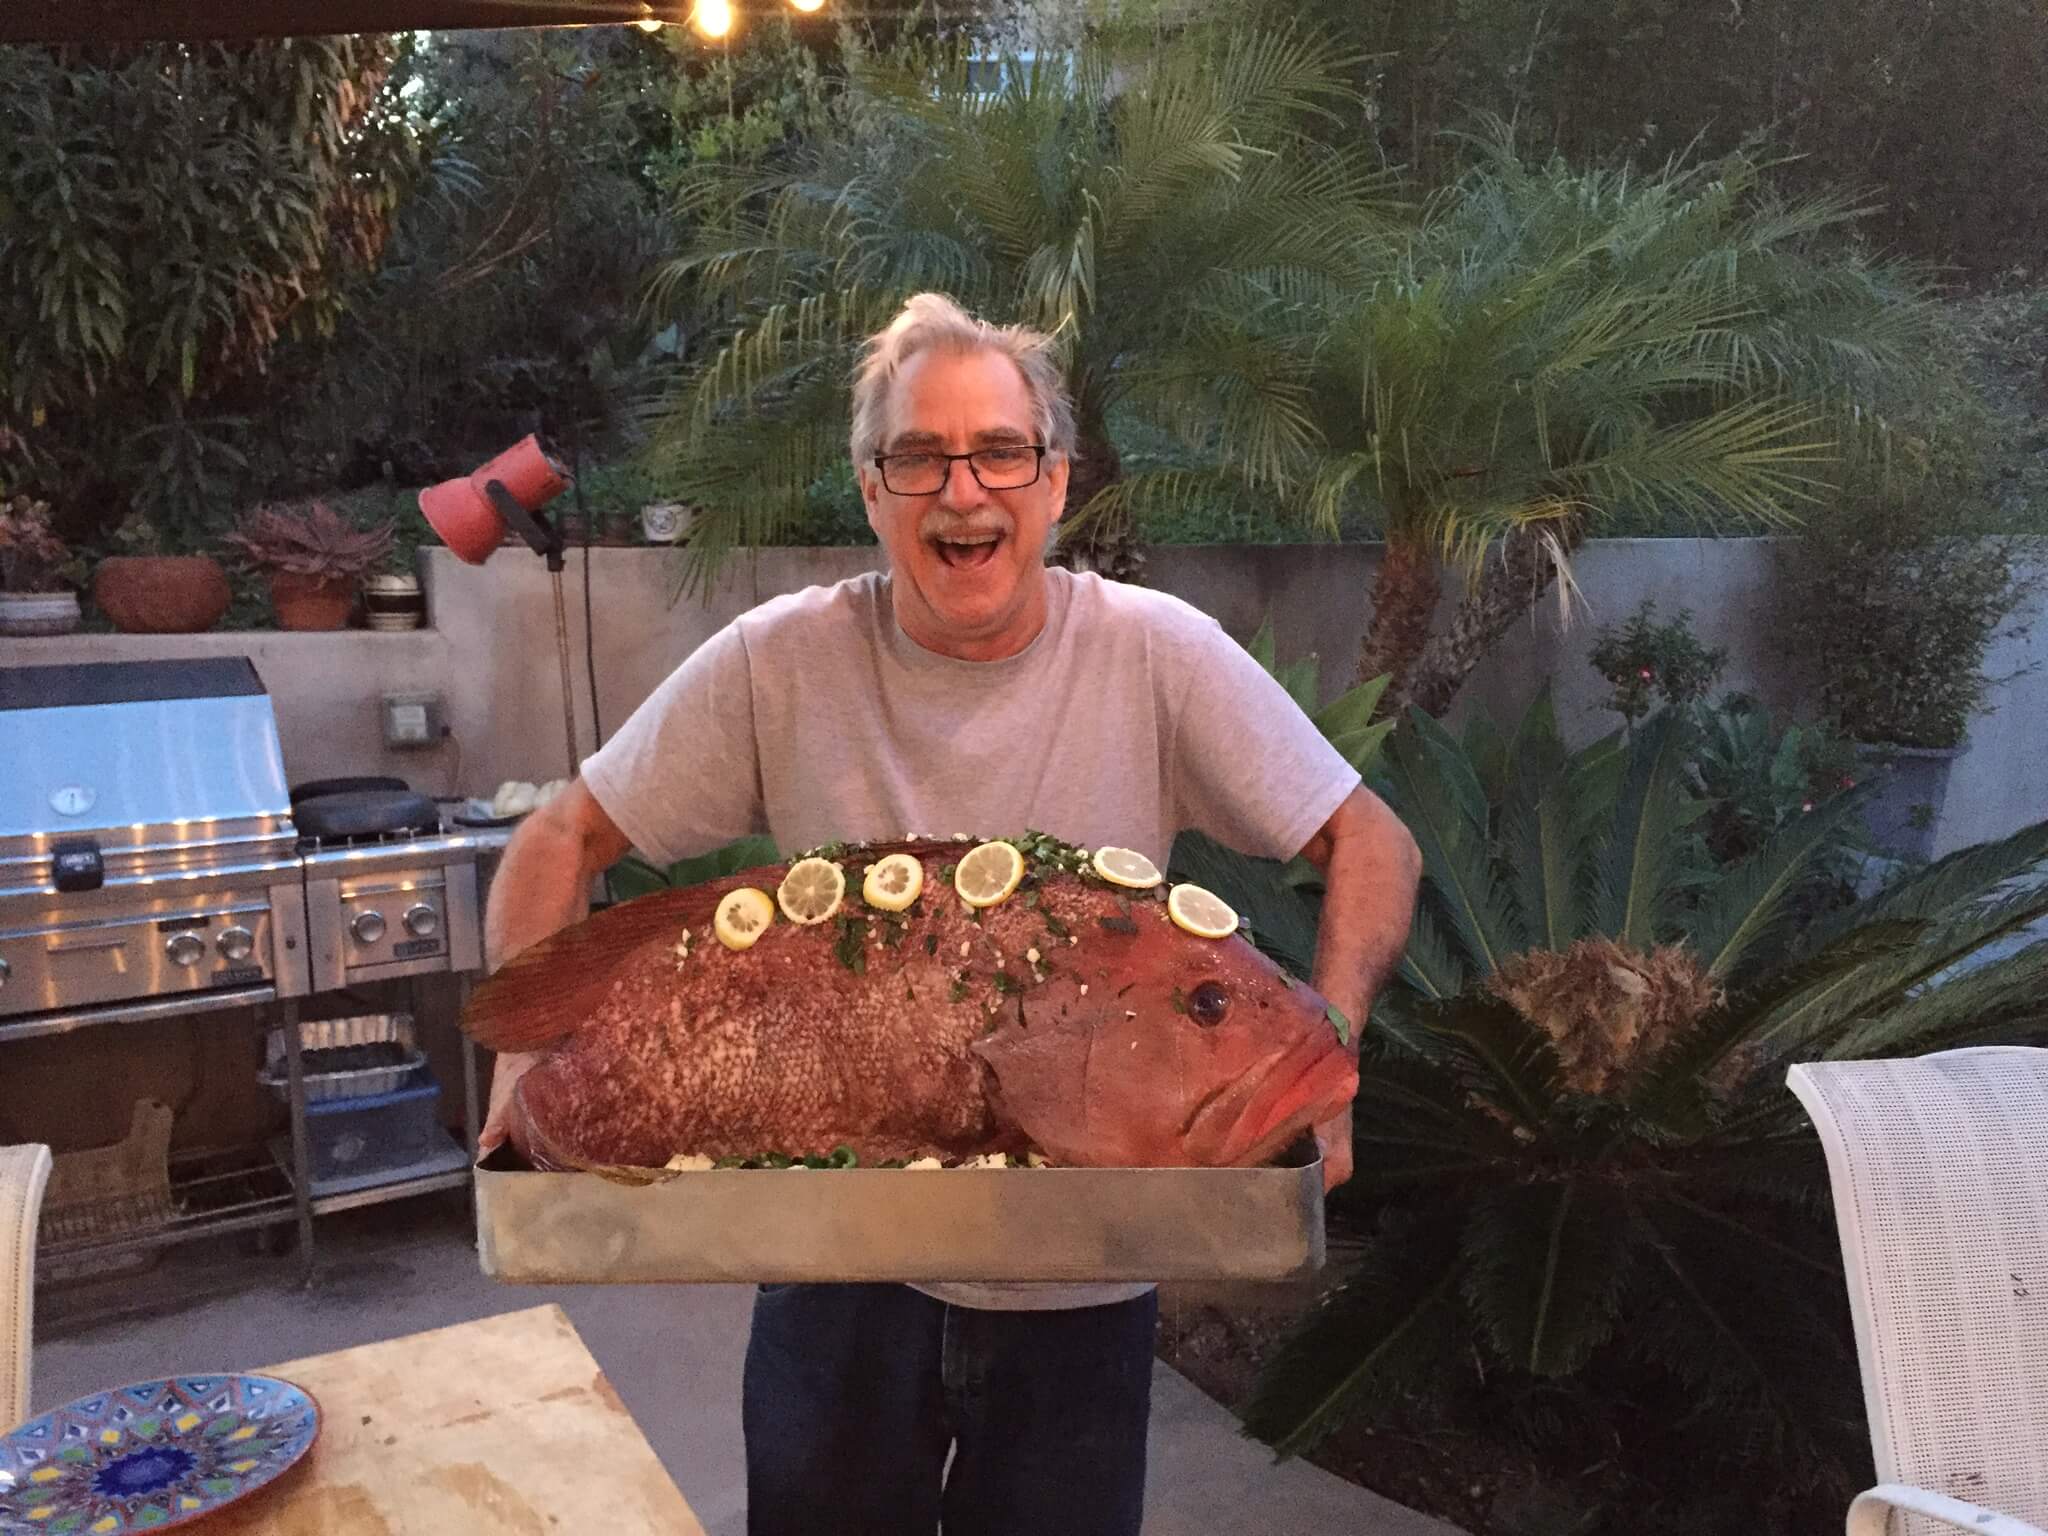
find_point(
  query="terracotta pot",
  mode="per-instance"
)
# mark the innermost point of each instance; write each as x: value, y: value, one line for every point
x: 312, y: 602
x: 38, y: 613
x: 161, y: 594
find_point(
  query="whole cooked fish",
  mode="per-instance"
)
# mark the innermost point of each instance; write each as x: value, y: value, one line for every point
x: 1073, y: 1018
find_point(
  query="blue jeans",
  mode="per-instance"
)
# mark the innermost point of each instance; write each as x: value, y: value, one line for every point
x: 854, y: 1395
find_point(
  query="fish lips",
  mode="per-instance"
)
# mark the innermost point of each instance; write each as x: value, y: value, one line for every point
x: 1252, y: 1120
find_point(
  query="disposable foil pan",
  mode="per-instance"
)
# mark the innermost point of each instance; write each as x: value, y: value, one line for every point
x: 324, y: 1041
x: 867, y: 1224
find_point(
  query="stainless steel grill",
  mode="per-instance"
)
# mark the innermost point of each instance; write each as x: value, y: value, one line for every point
x: 151, y: 863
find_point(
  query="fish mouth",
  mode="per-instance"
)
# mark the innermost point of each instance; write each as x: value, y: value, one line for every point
x: 1249, y: 1122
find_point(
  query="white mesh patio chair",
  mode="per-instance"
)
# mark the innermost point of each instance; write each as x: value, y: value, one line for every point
x: 24, y: 1171
x: 1939, y: 1168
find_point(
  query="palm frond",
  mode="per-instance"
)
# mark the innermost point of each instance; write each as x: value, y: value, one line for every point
x: 1280, y: 923
x: 1392, y: 1323
x: 2002, y: 1002
x: 1548, y: 1264
x: 1637, y: 875
x: 1446, y: 812
x: 1748, y: 907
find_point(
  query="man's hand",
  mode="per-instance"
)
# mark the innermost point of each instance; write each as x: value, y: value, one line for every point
x: 1371, y: 870
x: 542, y: 887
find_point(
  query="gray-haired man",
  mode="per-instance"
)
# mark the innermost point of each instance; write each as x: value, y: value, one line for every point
x: 969, y: 688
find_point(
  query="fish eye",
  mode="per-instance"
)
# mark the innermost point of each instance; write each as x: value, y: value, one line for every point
x: 1210, y: 1002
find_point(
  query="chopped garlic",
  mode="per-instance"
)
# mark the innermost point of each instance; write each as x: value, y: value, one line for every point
x: 966, y: 948
x: 986, y: 1160
x: 1084, y: 989
x: 927, y: 1162
x: 1036, y: 1160
x: 694, y: 1162
x: 1032, y: 955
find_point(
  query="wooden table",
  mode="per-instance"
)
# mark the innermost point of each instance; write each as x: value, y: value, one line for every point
x: 505, y: 1425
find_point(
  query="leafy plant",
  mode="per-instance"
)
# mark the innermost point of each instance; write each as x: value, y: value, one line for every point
x: 633, y: 876
x: 1056, y: 200
x: 1893, y: 603
x: 309, y: 540
x: 1644, y: 660
x: 1555, y: 347
x: 1582, y: 1175
x: 1757, y: 777
x: 32, y: 557
x: 265, y: 176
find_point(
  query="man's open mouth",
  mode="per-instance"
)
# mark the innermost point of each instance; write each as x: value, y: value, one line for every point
x: 968, y: 551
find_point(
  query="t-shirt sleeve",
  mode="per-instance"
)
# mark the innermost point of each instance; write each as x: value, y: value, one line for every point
x: 683, y: 775
x: 1246, y: 765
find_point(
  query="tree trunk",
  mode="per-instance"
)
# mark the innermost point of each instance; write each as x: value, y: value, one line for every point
x: 1108, y: 546
x: 1404, y: 593
x: 1513, y: 581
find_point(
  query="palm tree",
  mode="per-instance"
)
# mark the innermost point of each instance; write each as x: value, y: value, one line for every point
x: 1140, y: 201
x: 1553, y: 348
x: 1586, y: 1182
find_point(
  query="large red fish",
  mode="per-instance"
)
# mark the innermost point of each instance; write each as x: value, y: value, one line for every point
x: 1074, y: 1018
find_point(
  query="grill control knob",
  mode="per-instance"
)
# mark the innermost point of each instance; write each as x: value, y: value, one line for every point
x: 185, y: 948
x: 236, y: 943
x: 368, y: 927
x: 422, y: 921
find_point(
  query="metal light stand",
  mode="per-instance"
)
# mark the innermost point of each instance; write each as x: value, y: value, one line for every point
x: 544, y: 539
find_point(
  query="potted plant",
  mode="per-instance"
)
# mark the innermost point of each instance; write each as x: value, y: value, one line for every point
x: 1894, y: 607
x: 147, y: 590
x: 314, y: 557
x: 38, y: 572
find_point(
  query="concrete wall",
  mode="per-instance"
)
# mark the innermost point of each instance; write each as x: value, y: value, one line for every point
x: 490, y: 653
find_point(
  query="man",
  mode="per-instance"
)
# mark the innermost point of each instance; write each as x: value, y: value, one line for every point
x: 970, y: 689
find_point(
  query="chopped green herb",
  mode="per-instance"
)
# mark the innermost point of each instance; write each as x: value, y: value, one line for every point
x: 956, y: 992
x: 1007, y: 983
x: 849, y: 951
x: 1180, y: 1001
x: 1336, y: 1016
x: 974, y: 916
x: 1030, y: 900
x: 931, y: 943
x: 1122, y: 925
x: 946, y: 873
x: 1055, y: 927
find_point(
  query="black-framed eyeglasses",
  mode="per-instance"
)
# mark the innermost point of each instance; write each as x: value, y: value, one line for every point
x: 1007, y: 467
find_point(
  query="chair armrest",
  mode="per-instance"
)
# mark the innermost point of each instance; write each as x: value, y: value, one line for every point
x: 1870, y: 1514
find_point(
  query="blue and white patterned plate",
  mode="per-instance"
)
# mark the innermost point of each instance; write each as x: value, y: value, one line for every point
x: 151, y: 1456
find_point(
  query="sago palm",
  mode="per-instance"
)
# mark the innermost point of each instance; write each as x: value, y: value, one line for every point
x: 1553, y: 347
x: 1574, y: 1145
x: 1139, y: 202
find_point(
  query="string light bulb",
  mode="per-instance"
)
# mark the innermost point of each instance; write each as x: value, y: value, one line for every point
x: 807, y: 5
x: 649, y: 23
x: 712, y: 17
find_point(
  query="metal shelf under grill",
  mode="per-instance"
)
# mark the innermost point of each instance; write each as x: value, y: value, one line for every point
x: 212, y: 1194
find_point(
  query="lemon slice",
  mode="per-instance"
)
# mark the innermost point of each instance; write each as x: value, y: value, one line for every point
x: 1126, y: 866
x: 811, y: 891
x: 988, y: 874
x: 743, y: 916
x: 894, y: 883
x: 1202, y: 913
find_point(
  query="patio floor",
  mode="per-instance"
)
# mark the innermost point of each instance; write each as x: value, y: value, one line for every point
x: 404, y: 1268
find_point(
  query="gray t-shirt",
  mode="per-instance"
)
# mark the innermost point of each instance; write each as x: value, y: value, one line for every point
x: 815, y: 719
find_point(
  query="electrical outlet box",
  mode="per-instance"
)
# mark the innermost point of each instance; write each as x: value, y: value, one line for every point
x: 413, y: 720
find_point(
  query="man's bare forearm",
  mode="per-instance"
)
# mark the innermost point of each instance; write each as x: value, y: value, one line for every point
x: 543, y: 883
x: 1371, y: 869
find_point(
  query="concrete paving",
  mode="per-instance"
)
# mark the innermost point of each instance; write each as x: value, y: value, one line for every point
x: 674, y: 1354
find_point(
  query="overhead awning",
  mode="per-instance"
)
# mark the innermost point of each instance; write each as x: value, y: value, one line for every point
x: 123, y: 21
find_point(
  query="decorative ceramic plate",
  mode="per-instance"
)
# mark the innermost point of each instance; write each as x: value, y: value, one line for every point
x: 151, y: 1456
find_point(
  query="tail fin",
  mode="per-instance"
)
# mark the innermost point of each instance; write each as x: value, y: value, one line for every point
x: 543, y: 994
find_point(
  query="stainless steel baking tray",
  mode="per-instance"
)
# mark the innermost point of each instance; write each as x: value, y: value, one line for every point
x: 329, y: 1044
x: 862, y: 1224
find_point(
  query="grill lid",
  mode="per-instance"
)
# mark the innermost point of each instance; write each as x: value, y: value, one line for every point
x: 165, y: 765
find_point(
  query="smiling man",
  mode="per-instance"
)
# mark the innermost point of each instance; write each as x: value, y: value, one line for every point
x: 969, y: 688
